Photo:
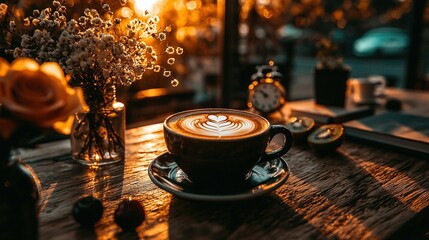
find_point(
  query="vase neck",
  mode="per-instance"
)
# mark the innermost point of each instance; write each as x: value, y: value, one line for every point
x: 100, y: 97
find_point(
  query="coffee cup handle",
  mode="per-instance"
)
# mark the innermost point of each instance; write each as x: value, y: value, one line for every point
x: 287, y: 143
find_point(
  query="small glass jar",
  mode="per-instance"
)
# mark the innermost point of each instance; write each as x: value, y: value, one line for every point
x: 98, y: 134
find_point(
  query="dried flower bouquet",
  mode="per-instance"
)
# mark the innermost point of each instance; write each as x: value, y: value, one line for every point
x: 99, y: 50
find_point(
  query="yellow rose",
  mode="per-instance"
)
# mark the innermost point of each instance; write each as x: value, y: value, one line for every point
x: 39, y: 94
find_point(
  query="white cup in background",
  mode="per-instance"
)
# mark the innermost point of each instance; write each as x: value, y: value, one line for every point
x: 367, y: 90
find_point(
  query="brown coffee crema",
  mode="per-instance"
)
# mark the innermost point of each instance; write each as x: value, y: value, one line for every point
x: 217, y: 125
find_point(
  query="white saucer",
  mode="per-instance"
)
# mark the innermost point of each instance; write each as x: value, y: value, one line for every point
x: 265, y: 177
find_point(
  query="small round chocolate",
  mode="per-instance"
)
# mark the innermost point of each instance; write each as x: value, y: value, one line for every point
x: 87, y: 211
x: 129, y: 214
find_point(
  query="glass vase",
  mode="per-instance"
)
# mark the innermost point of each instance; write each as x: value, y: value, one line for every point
x: 98, y: 134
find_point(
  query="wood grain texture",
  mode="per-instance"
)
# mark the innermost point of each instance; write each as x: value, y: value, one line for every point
x: 359, y: 192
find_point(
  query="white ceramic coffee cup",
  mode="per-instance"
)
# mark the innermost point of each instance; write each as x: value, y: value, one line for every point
x: 367, y: 90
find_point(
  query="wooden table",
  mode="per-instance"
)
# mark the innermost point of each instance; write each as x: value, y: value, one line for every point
x: 358, y: 192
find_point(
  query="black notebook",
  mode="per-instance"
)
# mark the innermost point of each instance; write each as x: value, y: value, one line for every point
x: 395, y: 129
x: 328, y: 114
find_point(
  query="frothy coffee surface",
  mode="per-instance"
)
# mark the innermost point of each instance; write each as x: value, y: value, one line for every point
x: 223, y: 125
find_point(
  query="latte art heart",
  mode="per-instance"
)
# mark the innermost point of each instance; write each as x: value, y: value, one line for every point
x: 217, y: 118
x: 211, y: 125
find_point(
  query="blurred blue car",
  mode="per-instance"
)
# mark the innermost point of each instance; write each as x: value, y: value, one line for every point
x: 382, y: 42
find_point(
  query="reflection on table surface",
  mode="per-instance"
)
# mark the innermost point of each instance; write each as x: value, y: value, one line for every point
x: 358, y: 192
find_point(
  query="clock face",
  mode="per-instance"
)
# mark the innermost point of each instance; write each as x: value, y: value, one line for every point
x: 266, y: 97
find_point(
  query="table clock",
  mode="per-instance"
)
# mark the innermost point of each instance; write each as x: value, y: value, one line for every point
x: 266, y: 93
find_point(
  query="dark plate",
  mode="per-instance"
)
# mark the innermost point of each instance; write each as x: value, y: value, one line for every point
x: 265, y: 177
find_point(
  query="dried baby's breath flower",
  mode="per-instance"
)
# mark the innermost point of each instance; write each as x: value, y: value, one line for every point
x: 36, y: 13
x: 56, y: 4
x: 174, y: 82
x: 3, y: 11
x: 27, y: 22
x: 171, y: 61
x: 35, y: 22
x: 167, y: 73
x: 162, y: 36
x: 150, y: 66
x: 179, y: 50
x: 106, y: 7
x: 169, y: 50
x: 83, y: 19
x: 96, y: 21
x: 3, y: 7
